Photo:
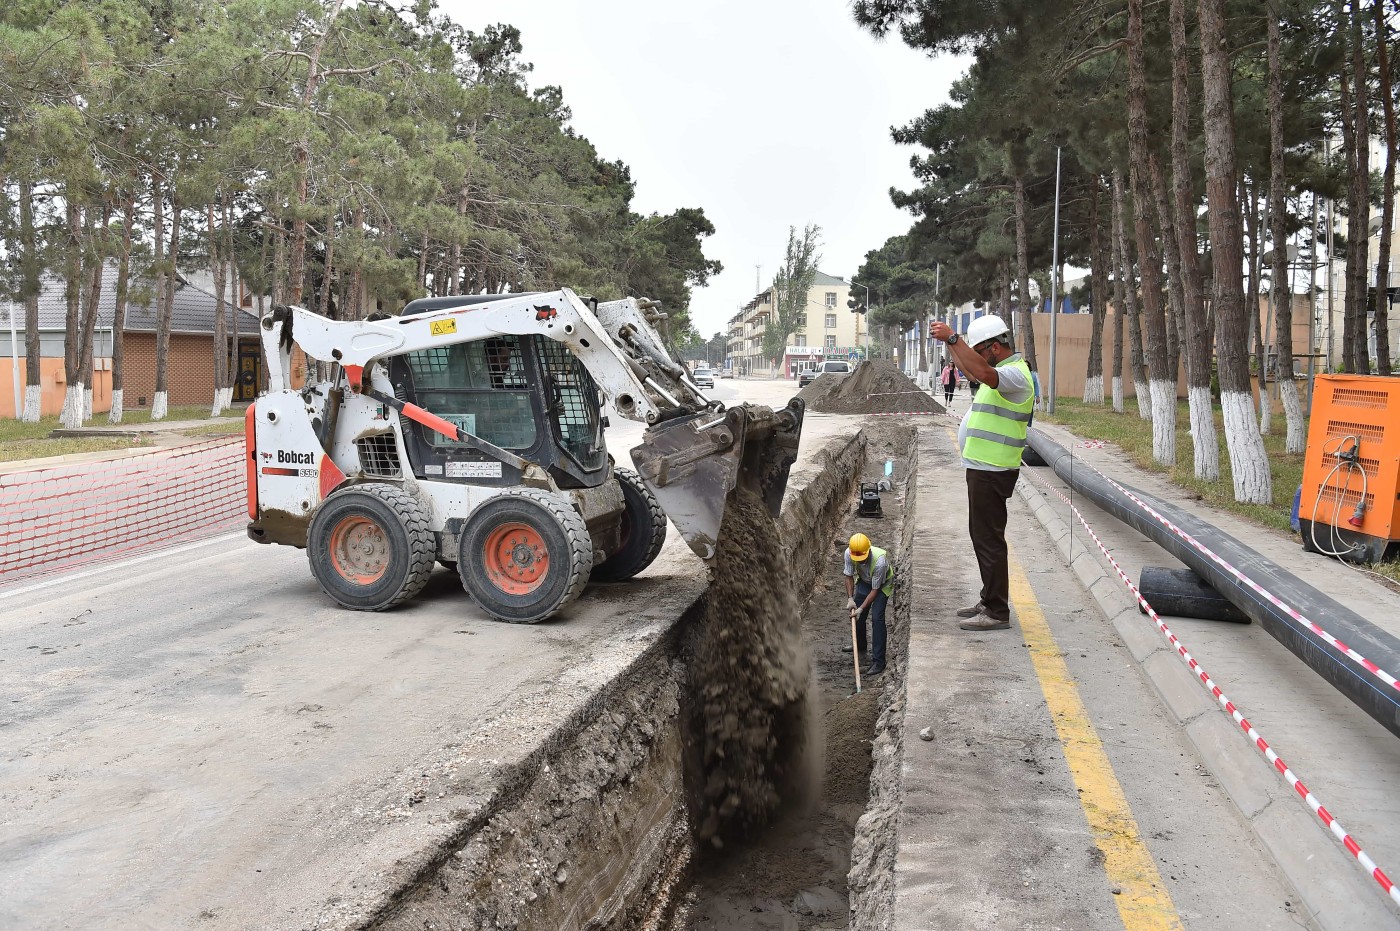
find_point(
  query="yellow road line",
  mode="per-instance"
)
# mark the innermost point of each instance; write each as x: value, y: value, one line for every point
x: 1144, y: 903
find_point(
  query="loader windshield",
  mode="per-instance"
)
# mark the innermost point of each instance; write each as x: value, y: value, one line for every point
x: 480, y: 387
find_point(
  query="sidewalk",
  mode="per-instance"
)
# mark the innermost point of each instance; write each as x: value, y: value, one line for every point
x: 1349, y: 761
x: 158, y: 435
x: 991, y: 832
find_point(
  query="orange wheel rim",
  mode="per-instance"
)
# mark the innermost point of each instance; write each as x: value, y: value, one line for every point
x: 359, y: 550
x: 516, y: 558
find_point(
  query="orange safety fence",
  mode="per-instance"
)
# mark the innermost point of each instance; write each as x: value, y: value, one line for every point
x: 60, y: 517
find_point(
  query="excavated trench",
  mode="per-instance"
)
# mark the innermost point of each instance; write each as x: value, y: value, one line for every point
x: 730, y: 778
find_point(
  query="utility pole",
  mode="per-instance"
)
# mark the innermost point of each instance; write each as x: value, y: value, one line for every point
x: 14, y: 362
x: 1054, y: 276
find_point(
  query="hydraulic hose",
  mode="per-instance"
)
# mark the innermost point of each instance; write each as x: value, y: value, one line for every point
x: 1373, y: 696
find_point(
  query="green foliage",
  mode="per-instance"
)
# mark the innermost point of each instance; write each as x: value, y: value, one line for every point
x: 793, y: 281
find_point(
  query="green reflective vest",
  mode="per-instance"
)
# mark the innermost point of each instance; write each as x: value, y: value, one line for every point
x: 877, y: 554
x: 996, y: 428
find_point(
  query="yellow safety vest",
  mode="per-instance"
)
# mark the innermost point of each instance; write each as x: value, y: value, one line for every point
x: 876, y: 554
x: 996, y: 428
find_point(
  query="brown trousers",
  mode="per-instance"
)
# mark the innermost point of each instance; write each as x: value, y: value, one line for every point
x: 987, y: 493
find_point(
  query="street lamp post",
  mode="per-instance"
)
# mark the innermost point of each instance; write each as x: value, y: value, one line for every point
x: 1054, y: 275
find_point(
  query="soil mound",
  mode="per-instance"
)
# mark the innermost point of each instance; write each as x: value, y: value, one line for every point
x: 875, y: 387
x: 747, y: 744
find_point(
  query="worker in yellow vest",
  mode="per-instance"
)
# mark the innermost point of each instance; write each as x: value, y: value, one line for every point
x: 991, y: 438
x: 869, y: 575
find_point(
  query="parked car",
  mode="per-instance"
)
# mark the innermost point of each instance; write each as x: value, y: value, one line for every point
x: 704, y: 377
x: 726, y: 373
x: 838, y: 367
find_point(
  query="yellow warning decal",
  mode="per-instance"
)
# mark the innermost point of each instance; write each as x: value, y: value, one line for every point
x: 442, y: 327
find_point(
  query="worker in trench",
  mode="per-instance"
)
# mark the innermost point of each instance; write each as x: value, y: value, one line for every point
x: 991, y: 438
x: 869, y: 585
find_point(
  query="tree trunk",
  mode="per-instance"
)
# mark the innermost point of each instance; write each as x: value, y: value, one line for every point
x: 119, y: 297
x: 216, y: 261
x: 1249, y: 463
x: 1137, y: 368
x: 1098, y: 288
x: 1161, y: 382
x: 234, y: 374
x: 1023, y: 278
x: 1171, y: 250
x: 1387, y: 196
x: 1361, y: 188
x: 1279, y: 290
x: 72, y: 415
x: 165, y: 313
x: 1196, y: 331
x: 1254, y: 265
x: 33, y: 364
x: 97, y: 238
x: 1121, y: 285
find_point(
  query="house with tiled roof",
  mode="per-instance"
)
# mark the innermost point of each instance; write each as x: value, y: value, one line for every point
x: 190, y: 372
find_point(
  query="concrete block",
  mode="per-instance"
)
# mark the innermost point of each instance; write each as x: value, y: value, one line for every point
x: 1086, y: 567
x: 1182, y: 692
x: 1110, y: 594
x: 1139, y: 634
x: 1241, y: 769
x: 1336, y: 894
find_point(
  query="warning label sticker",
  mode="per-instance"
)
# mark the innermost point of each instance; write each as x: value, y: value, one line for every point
x: 442, y: 327
x: 473, y: 470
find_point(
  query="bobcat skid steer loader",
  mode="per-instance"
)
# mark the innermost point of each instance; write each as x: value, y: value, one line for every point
x: 469, y: 431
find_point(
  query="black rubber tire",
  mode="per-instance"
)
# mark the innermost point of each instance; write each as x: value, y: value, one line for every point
x: 403, y: 524
x: 643, y: 531
x: 562, y: 533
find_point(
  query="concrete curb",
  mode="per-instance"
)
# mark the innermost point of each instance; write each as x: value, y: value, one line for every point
x: 1336, y: 892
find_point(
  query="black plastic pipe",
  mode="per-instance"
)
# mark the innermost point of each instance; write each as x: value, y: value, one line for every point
x: 1368, y: 692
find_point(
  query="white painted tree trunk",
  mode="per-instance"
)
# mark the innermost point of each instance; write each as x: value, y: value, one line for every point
x: 1117, y: 394
x: 1164, y: 422
x: 87, y: 403
x: 1144, y: 399
x: 218, y: 407
x: 1204, y: 439
x: 158, y: 406
x: 1293, y: 413
x: 33, y: 403
x: 1266, y: 410
x: 115, y: 414
x: 1249, y: 462
x: 72, y: 415
x: 1093, y: 390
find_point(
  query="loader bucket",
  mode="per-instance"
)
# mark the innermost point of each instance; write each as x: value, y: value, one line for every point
x: 693, y: 465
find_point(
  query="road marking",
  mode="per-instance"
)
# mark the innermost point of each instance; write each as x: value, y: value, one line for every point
x: 1144, y: 903
x: 117, y: 562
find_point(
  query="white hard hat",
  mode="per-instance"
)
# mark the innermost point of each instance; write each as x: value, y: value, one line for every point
x: 985, y: 328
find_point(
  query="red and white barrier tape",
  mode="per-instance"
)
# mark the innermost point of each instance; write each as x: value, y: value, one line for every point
x: 1274, y: 759
x: 1243, y: 579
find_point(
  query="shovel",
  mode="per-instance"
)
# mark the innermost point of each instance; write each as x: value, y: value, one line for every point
x: 855, y: 650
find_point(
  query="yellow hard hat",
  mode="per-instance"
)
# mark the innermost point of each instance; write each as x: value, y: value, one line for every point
x: 860, y: 547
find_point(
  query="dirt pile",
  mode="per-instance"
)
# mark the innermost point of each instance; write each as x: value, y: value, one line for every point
x: 748, y: 750
x: 875, y: 387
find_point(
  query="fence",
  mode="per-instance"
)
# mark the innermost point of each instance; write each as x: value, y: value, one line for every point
x: 62, y: 517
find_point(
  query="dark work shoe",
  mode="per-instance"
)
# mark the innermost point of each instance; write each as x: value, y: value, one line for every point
x: 873, y: 670
x: 985, y: 622
x: 847, y: 649
x: 970, y: 612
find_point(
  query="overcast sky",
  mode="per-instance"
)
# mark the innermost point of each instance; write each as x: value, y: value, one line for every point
x: 766, y: 113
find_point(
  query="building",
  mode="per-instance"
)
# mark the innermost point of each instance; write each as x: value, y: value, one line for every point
x: 830, y: 329
x: 190, y: 371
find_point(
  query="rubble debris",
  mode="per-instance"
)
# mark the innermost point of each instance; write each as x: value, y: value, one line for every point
x: 875, y: 387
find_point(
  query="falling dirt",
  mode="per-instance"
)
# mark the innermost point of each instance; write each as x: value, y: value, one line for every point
x: 875, y: 387
x: 748, y: 748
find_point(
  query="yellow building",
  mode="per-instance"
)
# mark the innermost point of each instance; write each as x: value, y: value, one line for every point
x: 830, y: 329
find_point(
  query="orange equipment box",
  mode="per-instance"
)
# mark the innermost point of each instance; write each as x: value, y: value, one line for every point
x: 1360, y: 412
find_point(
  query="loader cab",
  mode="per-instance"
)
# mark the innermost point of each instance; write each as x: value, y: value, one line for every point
x: 526, y: 394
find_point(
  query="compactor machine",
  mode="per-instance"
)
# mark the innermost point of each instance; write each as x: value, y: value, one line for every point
x: 468, y: 431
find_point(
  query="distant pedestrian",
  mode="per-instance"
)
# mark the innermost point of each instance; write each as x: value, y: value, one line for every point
x: 869, y: 585
x: 991, y: 439
x: 949, y: 379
